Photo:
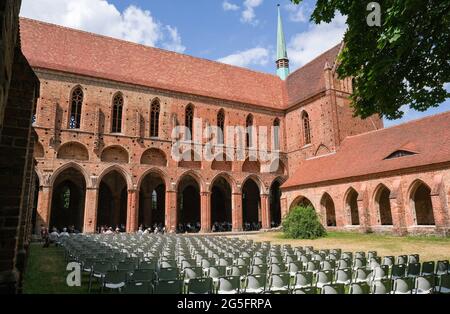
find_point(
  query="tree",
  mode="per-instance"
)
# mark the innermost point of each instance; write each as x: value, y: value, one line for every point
x: 404, y: 61
x: 302, y: 222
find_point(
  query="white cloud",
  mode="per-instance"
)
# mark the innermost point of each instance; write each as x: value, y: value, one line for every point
x: 297, y: 13
x: 227, y: 6
x: 175, y: 43
x: 248, y: 14
x: 254, y: 56
x: 102, y: 17
x: 304, y: 47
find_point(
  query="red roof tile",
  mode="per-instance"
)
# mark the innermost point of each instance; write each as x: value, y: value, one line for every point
x: 365, y: 154
x: 309, y: 79
x: 58, y: 48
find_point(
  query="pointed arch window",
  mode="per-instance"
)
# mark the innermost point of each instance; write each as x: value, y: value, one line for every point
x: 75, y: 109
x: 221, y: 126
x: 117, y: 113
x: 154, y: 119
x: 189, y: 121
x: 249, y: 134
x: 306, y: 128
x: 276, y: 134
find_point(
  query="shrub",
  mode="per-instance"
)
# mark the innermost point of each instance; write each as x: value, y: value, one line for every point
x: 303, y: 223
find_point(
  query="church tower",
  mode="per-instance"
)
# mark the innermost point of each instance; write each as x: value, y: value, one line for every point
x: 282, y: 57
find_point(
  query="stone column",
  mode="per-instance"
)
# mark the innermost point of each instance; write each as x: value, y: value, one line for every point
x: 171, y: 211
x: 205, y: 213
x: 90, y: 210
x: 440, y: 214
x: 398, y: 209
x: 236, y: 214
x: 132, y: 211
x: 265, y: 211
x: 43, y: 207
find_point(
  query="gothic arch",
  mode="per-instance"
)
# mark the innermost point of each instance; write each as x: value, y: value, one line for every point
x: 196, y: 176
x: 120, y: 170
x: 259, y: 182
x: 351, y: 206
x: 155, y: 157
x: 115, y: 153
x: 73, y: 151
x: 157, y: 171
x: 301, y: 200
x: 227, y: 177
x: 420, y: 203
x: 322, y: 150
x: 381, y: 200
x: 328, y: 208
x: 68, y: 165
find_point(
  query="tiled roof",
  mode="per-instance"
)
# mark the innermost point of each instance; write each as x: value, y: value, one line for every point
x: 365, y: 154
x: 63, y: 49
x: 309, y: 79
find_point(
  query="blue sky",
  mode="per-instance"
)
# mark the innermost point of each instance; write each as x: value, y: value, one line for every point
x: 238, y: 32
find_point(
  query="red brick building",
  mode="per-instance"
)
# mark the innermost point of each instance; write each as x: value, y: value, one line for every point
x: 105, y: 117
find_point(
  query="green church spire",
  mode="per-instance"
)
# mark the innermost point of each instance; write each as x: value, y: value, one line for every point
x: 282, y: 57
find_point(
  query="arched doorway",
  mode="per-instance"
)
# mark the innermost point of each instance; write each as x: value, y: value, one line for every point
x: 301, y: 201
x: 251, y: 202
x: 188, y: 205
x: 384, y: 205
x: 352, y: 206
x: 69, y: 192
x: 423, y: 207
x: 275, y: 204
x: 152, y: 201
x: 328, y: 208
x: 221, y: 205
x: 112, y: 201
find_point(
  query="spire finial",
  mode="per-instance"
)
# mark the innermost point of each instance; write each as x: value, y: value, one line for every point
x: 282, y: 57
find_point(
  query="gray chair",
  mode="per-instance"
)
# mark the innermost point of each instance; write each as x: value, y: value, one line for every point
x: 200, y: 286
x: 363, y: 275
x: 279, y: 282
x: 424, y: 284
x: 229, y: 285
x: 428, y: 268
x: 403, y: 286
x: 382, y: 286
x: 114, y: 280
x: 444, y: 284
x: 343, y: 276
x: 303, y: 279
x: 359, y: 288
x: 333, y: 289
x: 324, y: 277
x: 255, y: 283
x: 442, y: 268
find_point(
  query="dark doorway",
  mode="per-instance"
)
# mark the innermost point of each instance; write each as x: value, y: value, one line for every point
x: 221, y: 206
x: 275, y: 204
x: 68, y: 200
x: 250, y: 205
x: 152, y: 202
x: 188, y: 215
x: 112, y: 202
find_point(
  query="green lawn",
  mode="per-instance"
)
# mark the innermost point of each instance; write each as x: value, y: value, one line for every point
x: 46, y: 272
x: 429, y: 247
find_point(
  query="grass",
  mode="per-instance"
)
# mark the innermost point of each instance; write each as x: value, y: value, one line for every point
x: 46, y: 267
x: 46, y: 272
x: 429, y: 247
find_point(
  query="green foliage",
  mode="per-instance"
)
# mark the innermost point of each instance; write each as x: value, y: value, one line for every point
x: 405, y: 61
x: 303, y: 223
